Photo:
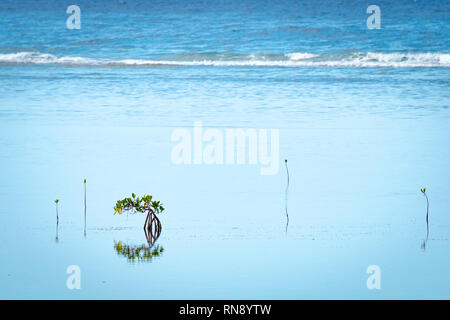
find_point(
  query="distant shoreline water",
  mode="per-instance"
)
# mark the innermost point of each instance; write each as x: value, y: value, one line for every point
x: 296, y: 59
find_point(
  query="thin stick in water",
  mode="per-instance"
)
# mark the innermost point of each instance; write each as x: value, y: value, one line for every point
x: 57, y: 218
x: 428, y: 206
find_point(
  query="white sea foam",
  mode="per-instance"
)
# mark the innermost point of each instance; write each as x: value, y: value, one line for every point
x: 358, y: 59
x: 43, y: 58
x: 300, y: 55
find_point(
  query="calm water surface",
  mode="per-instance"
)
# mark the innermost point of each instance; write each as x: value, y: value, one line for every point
x: 364, y: 123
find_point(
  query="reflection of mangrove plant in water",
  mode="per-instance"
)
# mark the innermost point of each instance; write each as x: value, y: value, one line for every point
x: 140, y: 253
x: 428, y: 206
x: 143, y: 205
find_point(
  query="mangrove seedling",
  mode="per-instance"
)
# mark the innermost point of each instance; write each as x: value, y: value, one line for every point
x: 143, y: 204
x: 56, y: 202
x: 428, y: 206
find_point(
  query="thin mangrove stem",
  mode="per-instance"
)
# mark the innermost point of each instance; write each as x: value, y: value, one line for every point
x: 146, y: 220
x: 426, y: 219
x: 57, y: 217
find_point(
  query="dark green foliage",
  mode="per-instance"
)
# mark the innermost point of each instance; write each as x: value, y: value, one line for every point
x: 138, y: 204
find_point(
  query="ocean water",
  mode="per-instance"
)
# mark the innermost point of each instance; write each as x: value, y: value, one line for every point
x: 363, y: 119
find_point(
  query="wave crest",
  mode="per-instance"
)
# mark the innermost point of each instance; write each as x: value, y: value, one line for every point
x: 296, y: 59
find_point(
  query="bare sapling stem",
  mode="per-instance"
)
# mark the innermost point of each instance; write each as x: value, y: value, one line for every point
x: 57, y: 217
x: 428, y: 207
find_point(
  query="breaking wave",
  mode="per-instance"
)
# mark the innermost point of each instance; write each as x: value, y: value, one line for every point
x: 296, y: 59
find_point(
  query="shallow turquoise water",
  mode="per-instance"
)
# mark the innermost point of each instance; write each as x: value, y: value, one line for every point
x: 361, y: 140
